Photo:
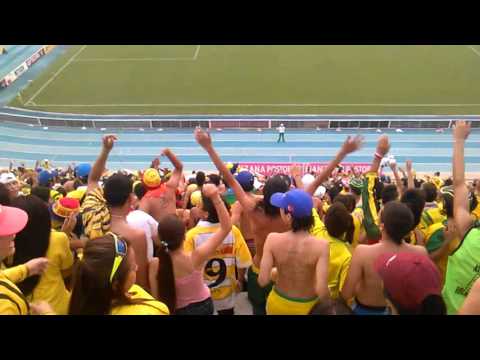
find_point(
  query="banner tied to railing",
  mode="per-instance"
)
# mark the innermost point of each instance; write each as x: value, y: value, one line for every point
x: 271, y: 168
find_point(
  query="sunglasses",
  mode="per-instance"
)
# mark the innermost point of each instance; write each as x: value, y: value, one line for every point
x: 120, y: 253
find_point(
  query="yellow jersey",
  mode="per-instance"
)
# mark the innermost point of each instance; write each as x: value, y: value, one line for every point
x: 12, y: 301
x: 359, y: 229
x: 219, y: 273
x: 51, y: 286
x: 340, y: 257
x: 434, y: 241
x: 146, y: 305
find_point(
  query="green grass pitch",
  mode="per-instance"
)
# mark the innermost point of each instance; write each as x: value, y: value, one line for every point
x: 207, y: 79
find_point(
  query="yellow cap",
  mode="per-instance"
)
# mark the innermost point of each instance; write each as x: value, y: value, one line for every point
x: 151, y: 178
x: 76, y: 194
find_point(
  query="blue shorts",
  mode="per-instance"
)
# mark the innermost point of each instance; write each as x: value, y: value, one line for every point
x: 360, y: 309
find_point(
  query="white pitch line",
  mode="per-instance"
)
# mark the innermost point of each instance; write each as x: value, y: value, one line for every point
x: 474, y: 50
x: 57, y: 73
x: 132, y: 59
x: 258, y: 105
x: 196, y: 52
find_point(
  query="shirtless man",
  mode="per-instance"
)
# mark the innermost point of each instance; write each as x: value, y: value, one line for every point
x: 264, y: 218
x: 363, y: 282
x: 117, y: 192
x: 300, y: 258
x: 161, y: 198
x: 239, y: 218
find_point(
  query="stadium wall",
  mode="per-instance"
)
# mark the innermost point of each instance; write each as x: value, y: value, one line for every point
x: 17, y: 72
x: 39, y: 118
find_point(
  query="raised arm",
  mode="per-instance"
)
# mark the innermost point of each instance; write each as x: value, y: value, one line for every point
x: 177, y: 173
x: 370, y: 220
x: 461, y: 210
x: 398, y: 182
x: 205, y: 141
x: 296, y: 174
x: 383, y: 147
x: 99, y: 167
x: 349, y: 146
x: 201, y: 254
x: 410, y: 182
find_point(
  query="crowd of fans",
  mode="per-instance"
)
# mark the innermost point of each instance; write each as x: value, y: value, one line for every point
x: 84, y: 240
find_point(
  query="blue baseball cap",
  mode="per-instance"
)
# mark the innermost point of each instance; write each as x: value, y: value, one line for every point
x: 83, y: 170
x: 44, y: 177
x: 296, y: 202
x: 246, y: 180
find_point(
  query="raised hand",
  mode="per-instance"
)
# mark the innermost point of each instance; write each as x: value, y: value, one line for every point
x: 352, y: 144
x: 295, y: 170
x: 383, y: 145
x: 203, y: 138
x: 408, y: 165
x: 393, y: 165
x: 461, y: 130
x: 108, y: 141
x: 210, y: 191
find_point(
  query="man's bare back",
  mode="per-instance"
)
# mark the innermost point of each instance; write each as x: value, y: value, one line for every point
x: 262, y: 226
x: 296, y: 256
x: 368, y: 289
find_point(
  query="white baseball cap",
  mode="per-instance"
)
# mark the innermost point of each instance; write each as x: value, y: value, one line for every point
x: 307, y: 179
x: 320, y: 192
x: 7, y: 178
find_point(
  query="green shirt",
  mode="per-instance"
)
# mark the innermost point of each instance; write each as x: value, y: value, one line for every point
x: 463, y: 270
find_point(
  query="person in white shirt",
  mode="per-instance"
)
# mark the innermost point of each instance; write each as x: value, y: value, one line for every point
x: 281, y: 133
x: 141, y: 220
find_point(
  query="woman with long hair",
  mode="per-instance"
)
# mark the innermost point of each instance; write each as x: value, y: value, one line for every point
x: 176, y: 277
x: 38, y: 240
x: 104, y: 281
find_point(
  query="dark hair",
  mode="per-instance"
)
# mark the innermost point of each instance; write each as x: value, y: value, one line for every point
x: 140, y: 190
x: 339, y: 221
x: 302, y: 224
x: 331, y: 307
x: 77, y: 183
x: 62, y: 191
x: 171, y: 233
x: 42, y: 192
x: 275, y: 184
x: 215, y: 179
x: 346, y: 199
x: 430, y: 191
x: 334, y: 190
x: 32, y: 242
x: 448, y: 206
x: 207, y: 205
x: 200, y: 177
x: 389, y: 193
x: 398, y: 220
x: 377, y: 192
x: 448, y: 182
x: 92, y: 291
x: 437, y: 173
x: 431, y: 305
x: 415, y: 200
x: 4, y: 195
x: 356, y: 191
x: 117, y: 189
